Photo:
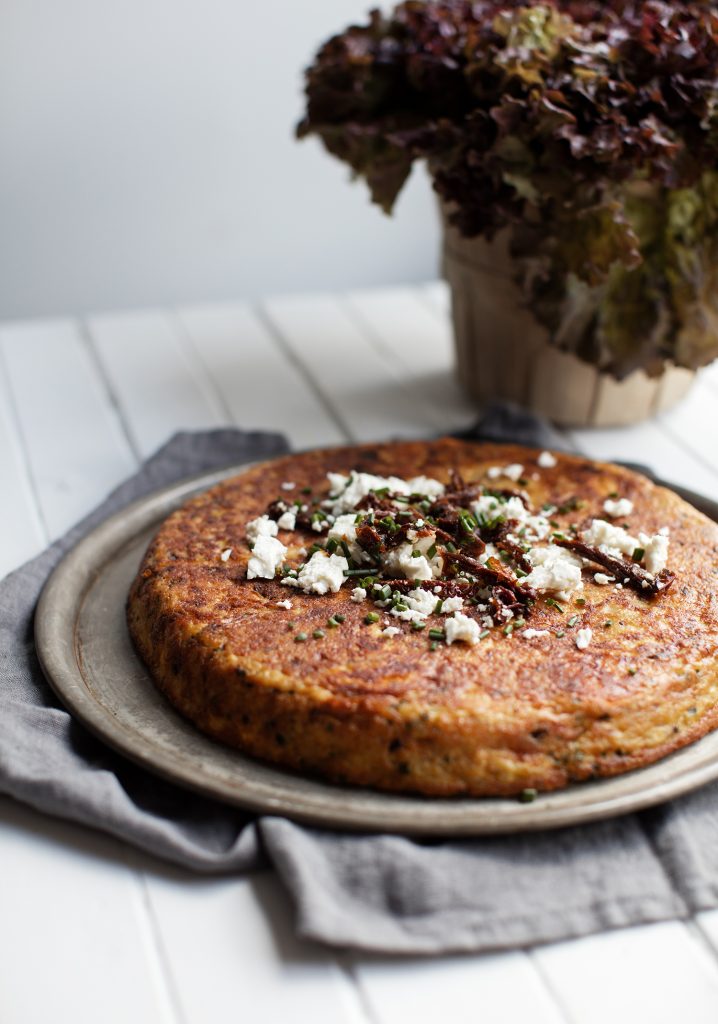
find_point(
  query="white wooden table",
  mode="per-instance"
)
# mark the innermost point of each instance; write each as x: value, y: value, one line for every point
x: 91, y: 931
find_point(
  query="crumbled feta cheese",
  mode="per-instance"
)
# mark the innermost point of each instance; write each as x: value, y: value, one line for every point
x: 533, y: 528
x: 546, y: 461
x: 391, y: 631
x: 531, y: 634
x: 555, y: 570
x: 656, y: 551
x: 358, y: 594
x: 267, y: 555
x: 288, y: 485
x: 419, y: 603
x: 322, y: 573
x: 226, y: 554
x: 425, y: 485
x: 602, y: 579
x: 452, y: 604
x: 348, y: 491
x: 287, y: 521
x: 400, y: 561
x: 285, y: 604
x: 320, y: 524
x: 344, y: 529
x: 512, y: 472
x: 619, y: 508
x: 612, y: 540
x: 583, y: 638
x: 261, y: 527
x: 463, y: 628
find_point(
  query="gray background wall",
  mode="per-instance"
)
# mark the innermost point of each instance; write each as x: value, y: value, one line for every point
x: 147, y: 157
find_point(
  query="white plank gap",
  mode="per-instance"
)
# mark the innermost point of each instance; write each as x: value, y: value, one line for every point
x: 366, y: 388
x: 22, y: 529
x: 231, y: 944
x: 70, y: 944
x: 659, y: 973
x: 259, y: 386
x: 494, y: 989
x: 75, y: 444
x: 402, y: 326
x: 649, y: 444
x: 160, y: 388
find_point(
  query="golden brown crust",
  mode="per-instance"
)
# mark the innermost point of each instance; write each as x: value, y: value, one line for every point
x: 493, y: 719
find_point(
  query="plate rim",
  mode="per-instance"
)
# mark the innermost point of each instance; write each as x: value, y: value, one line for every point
x: 344, y: 808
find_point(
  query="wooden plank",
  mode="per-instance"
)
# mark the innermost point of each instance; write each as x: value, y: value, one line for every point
x: 403, y: 327
x: 658, y: 973
x: 259, y: 386
x: 707, y: 923
x: 230, y: 943
x: 159, y: 387
x: 73, y: 945
x: 692, y: 424
x: 499, y: 989
x: 23, y: 535
x: 365, y: 387
x: 75, y: 445
x: 650, y: 444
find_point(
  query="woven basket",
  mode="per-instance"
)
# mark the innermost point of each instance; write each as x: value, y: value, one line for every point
x: 503, y: 352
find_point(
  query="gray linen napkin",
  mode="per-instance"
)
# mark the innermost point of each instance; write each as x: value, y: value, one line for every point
x: 379, y: 893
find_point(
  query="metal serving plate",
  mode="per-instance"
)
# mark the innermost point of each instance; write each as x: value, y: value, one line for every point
x: 87, y: 656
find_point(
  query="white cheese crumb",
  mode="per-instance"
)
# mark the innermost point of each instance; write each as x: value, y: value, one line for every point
x: 452, y: 604
x: 322, y: 573
x: 358, y: 594
x: 287, y: 521
x: 462, y: 628
x: 261, y: 527
x: 401, y: 562
x: 320, y: 524
x: 288, y: 485
x: 530, y: 634
x: 348, y: 491
x: 618, y: 509
x: 656, y: 551
x: 267, y: 555
x: 613, y: 540
x: 391, y: 631
x: 419, y: 603
x: 555, y: 570
x: 226, y: 554
x: 602, y: 579
x: 546, y: 460
x: 583, y: 638
x: 512, y: 472
x: 285, y: 604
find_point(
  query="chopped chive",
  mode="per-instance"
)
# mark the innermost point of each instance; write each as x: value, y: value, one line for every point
x: 345, y: 549
x: 638, y: 554
x: 306, y: 490
x: 451, y: 547
x: 613, y: 494
x: 484, y: 633
x: 572, y: 621
x: 433, y: 645
x: 416, y: 554
x: 418, y: 626
x: 400, y: 606
x: 358, y: 572
x: 314, y: 548
x: 436, y: 634
x: 438, y: 606
x: 318, y: 634
x: 608, y: 623
x: 340, y: 618
x: 520, y: 572
x: 508, y: 629
x: 554, y: 604
x: 520, y: 622
x: 371, y: 617
x: 332, y: 623
x: 431, y: 553
x: 332, y: 545
x: 291, y: 625
x: 632, y: 671
x: 527, y: 796
x: 580, y: 601
x: 560, y: 633
x: 300, y: 638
